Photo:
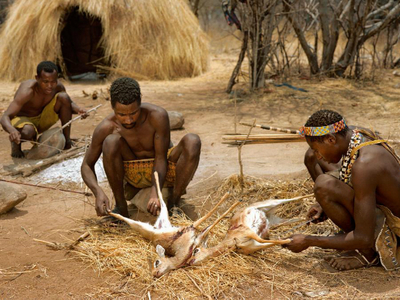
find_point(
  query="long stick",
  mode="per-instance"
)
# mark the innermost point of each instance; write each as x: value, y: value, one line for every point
x: 47, y: 187
x: 72, y: 120
x: 286, y: 130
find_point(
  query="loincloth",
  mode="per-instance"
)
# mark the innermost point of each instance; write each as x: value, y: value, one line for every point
x: 386, y: 243
x: 42, y: 122
x: 139, y: 172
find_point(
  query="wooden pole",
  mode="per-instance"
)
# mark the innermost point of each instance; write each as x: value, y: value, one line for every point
x: 47, y: 187
x: 286, y: 130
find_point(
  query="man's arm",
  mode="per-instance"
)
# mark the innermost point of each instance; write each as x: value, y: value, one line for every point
x: 162, y: 139
x: 365, y: 177
x: 88, y: 167
x: 22, y: 96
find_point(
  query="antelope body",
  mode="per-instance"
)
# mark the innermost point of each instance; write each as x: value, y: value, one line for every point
x: 177, y: 242
x: 248, y: 231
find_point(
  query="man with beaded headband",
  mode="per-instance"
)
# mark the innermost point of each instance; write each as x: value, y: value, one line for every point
x: 362, y: 197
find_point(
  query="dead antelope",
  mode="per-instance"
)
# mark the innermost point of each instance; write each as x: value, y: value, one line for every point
x: 177, y: 242
x: 248, y: 231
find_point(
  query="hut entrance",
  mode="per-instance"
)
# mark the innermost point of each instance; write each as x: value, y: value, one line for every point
x: 80, y: 41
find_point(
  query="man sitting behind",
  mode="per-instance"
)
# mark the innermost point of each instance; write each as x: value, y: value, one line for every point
x: 135, y: 142
x: 37, y: 105
x: 362, y: 197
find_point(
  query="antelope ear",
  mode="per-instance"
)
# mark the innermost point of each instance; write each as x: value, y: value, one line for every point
x: 204, y: 243
x: 160, y: 251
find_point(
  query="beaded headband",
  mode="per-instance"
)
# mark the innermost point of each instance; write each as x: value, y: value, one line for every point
x: 323, y: 130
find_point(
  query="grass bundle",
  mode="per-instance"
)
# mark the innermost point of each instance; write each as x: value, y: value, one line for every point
x: 154, y: 39
x: 271, y: 273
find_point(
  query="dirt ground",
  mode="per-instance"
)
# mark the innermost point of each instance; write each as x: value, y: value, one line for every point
x: 29, y: 270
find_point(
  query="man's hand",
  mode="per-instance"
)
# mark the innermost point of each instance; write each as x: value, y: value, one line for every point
x: 15, y: 137
x: 297, y: 244
x: 79, y: 110
x: 102, y: 205
x: 316, y: 213
x: 153, y: 206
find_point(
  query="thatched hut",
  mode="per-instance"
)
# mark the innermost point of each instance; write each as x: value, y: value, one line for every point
x: 154, y: 39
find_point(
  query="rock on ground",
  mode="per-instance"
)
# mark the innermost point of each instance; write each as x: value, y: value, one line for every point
x: 176, y: 120
x: 10, y: 195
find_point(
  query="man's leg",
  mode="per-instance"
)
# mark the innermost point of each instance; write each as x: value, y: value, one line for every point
x: 28, y: 133
x: 63, y: 108
x: 337, y: 200
x: 186, y: 155
x: 115, y: 151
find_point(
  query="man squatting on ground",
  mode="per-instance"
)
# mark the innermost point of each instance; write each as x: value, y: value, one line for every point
x: 37, y: 105
x: 135, y: 141
x: 362, y: 197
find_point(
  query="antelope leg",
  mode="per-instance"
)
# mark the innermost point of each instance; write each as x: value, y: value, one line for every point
x: 145, y: 229
x: 163, y: 218
x: 271, y: 203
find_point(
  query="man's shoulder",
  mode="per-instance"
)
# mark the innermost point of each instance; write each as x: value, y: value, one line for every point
x: 106, y: 125
x: 155, y: 113
x: 26, y: 89
x: 153, y: 109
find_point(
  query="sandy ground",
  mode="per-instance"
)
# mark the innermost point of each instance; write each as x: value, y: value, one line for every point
x: 28, y: 270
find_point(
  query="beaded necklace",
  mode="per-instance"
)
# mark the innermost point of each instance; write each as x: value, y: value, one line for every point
x: 348, y: 160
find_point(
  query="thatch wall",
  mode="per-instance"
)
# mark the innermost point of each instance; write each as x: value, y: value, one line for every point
x: 154, y: 39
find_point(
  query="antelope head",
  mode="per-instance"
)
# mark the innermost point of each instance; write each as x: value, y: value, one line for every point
x: 163, y: 264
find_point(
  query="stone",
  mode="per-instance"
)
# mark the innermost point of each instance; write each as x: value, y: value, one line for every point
x: 142, y: 198
x: 176, y: 120
x: 10, y: 195
x: 57, y: 141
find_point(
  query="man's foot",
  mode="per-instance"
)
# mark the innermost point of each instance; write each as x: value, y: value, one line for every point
x: 351, y: 260
x: 16, y: 150
x: 68, y: 144
x: 175, y: 211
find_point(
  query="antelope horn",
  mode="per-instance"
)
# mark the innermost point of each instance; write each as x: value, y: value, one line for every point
x: 202, y: 219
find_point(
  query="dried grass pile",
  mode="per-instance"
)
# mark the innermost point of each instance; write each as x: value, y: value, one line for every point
x: 120, y: 250
x: 154, y: 39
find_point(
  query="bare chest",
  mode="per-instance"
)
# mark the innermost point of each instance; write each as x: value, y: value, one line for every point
x: 140, y: 140
x: 35, y: 106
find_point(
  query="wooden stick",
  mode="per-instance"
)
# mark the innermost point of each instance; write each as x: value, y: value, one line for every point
x: 47, y: 187
x: 286, y: 130
x: 41, y: 144
x: 241, y: 176
x: 72, y: 120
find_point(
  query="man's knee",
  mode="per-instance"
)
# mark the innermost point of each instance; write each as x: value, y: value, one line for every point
x: 324, y: 186
x: 309, y: 158
x: 192, y: 143
x: 64, y: 99
x: 28, y: 132
x: 111, y: 144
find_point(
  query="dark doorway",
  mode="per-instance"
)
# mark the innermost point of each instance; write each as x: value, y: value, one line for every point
x: 80, y: 43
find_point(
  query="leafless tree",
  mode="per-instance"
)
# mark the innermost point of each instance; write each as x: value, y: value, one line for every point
x: 258, y: 22
x: 359, y: 20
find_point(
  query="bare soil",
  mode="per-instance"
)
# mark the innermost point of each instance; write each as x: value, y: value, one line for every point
x: 29, y: 270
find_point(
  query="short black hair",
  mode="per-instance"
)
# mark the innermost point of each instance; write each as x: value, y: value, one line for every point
x: 125, y: 90
x: 47, y: 66
x: 322, y: 118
